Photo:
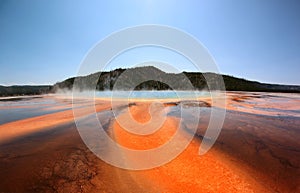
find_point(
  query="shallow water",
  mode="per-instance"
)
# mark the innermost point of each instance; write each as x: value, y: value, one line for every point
x: 272, y: 104
x: 153, y: 94
x: 258, y: 144
x: 15, y: 114
x: 14, y: 109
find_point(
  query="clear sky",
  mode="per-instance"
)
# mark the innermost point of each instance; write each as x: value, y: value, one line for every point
x: 44, y: 41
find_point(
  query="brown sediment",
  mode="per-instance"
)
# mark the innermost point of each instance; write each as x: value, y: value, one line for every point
x: 140, y: 114
x: 261, y: 103
x: 19, y: 128
x: 259, y: 153
x: 189, y: 103
x: 170, y: 104
x: 46, y: 154
x: 254, y: 153
x: 266, y: 148
x: 188, y: 172
x: 58, y: 161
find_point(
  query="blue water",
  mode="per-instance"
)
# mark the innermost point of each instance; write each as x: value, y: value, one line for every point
x: 152, y: 94
x: 15, y: 114
x: 26, y: 107
x: 22, y: 108
x: 28, y: 101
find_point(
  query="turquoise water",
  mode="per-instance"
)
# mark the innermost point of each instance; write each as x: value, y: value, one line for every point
x: 152, y: 94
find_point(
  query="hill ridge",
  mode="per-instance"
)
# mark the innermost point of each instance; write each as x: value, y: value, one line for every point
x: 198, y: 79
x: 107, y: 79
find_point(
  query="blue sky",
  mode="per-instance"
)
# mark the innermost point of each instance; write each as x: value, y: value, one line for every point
x: 44, y: 41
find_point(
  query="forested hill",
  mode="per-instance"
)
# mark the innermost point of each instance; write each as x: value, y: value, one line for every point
x: 107, y: 80
x: 24, y: 90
